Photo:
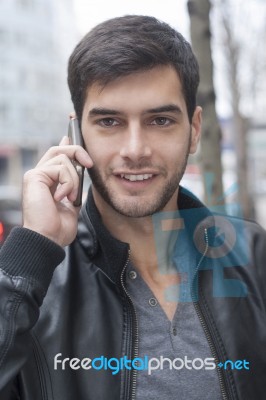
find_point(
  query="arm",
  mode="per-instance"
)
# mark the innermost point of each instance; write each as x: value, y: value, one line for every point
x: 30, y: 254
x: 27, y: 262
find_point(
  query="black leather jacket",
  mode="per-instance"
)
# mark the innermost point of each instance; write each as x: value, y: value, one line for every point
x: 87, y: 312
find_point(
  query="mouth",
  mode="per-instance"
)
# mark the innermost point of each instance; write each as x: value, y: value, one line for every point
x: 135, y: 181
x: 136, y: 177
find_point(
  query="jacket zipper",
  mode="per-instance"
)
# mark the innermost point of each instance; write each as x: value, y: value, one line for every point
x: 135, y: 331
x: 199, y: 314
x: 203, y: 323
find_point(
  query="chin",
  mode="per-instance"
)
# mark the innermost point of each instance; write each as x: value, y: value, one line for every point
x: 139, y: 207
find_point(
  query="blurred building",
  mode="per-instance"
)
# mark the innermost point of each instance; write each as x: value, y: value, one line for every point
x: 36, y: 38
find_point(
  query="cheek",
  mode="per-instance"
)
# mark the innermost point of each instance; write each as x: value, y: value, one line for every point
x: 99, y: 152
x: 174, y: 151
x: 92, y: 145
x: 177, y: 158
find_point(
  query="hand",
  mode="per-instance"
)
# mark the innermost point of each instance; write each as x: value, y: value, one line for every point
x: 49, y: 191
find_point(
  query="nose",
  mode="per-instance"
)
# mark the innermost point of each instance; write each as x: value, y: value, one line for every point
x: 136, y: 144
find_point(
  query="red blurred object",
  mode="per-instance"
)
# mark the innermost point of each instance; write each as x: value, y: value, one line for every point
x: 10, y: 211
x: 1, y: 232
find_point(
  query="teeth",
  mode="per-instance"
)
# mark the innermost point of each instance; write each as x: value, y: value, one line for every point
x: 134, y: 178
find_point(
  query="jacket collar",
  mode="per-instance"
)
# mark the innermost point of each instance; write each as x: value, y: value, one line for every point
x: 109, y: 253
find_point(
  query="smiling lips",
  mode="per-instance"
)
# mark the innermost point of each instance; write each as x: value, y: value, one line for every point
x: 136, y: 177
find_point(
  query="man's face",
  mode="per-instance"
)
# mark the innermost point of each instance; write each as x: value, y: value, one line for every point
x: 137, y: 132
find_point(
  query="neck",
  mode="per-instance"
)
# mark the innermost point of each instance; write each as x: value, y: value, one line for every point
x: 150, y: 255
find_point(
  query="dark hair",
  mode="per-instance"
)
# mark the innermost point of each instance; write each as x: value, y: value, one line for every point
x: 125, y: 45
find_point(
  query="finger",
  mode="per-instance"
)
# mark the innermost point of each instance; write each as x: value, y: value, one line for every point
x: 72, y: 115
x: 73, y: 152
x: 64, y: 141
x: 62, y: 159
x: 59, y: 181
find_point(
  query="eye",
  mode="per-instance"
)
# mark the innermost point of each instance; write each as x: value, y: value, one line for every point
x: 107, y: 122
x: 161, y: 121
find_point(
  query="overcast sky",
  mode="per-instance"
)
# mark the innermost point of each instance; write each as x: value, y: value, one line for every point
x: 247, y: 15
x: 91, y: 12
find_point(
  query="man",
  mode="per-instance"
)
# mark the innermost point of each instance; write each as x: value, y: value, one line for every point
x: 139, y: 304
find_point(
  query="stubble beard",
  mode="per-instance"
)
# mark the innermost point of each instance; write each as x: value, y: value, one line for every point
x: 133, y: 206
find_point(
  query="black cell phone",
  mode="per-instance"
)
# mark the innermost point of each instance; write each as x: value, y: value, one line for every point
x: 75, y: 138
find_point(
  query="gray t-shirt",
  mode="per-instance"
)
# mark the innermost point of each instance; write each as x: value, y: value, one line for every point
x: 180, y: 339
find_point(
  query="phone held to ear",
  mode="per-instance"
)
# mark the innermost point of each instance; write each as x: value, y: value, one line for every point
x: 75, y: 138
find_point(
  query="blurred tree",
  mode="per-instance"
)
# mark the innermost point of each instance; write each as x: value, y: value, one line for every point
x: 240, y: 123
x: 210, y: 155
x: 242, y: 37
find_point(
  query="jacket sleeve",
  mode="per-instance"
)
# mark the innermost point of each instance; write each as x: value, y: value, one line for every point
x: 27, y: 263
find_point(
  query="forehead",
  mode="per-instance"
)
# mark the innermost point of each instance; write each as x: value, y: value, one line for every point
x: 138, y: 91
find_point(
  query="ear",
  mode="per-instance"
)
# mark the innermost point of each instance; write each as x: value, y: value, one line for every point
x: 195, y: 129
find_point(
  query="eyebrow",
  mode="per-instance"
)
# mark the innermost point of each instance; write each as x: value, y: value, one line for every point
x: 102, y: 111
x: 96, y: 111
x: 165, y: 108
